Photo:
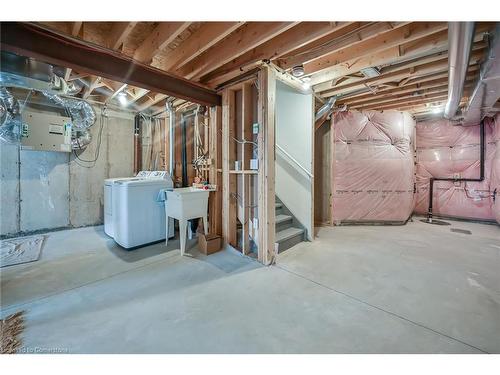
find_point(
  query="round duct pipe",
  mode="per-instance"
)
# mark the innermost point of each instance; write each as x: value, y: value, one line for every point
x: 460, y: 39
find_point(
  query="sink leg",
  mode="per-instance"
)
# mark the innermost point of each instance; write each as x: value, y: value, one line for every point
x: 205, y: 224
x: 182, y: 234
x: 166, y: 230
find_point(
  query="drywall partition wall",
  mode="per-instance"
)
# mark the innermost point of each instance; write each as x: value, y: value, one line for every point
x: 46, y: 190
x: 294, y: 132
x: 445, y: 149
x: 373, y: 167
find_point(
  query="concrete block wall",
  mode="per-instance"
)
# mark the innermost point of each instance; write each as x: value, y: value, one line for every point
x: 47, y: 190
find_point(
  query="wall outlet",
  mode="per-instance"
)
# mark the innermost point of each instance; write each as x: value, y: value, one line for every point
x: 255, y: 223
x: 254, y: 163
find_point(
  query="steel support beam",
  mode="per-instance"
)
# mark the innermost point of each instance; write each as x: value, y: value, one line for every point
x: 32, y: 40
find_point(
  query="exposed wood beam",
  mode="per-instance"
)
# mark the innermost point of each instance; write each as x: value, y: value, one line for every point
x: 431, y: 44
x: 387, y: 93
x: 75, y: 30
x: 424, y: 68
x: 164, y: 34
x: 39, y: 42
x: 209, y: 34
x: 76, y: 27
x: 296, y: 37
x: 248, y: 36
x: 367, y: 34
x: 94, y: 83
x: 400, y: 103
x: 416, y: 94
x: 117, y: 91
x: 375, y: 44
x: 151, y: 101
x: 320, y: 46
x: 138, y: 94
x: 119, y: 32
x: 405, y: 102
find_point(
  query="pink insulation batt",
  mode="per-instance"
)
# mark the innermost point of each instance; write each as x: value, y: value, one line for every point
x: 495, y: 171
x: 448, y: 150
x: 373, y: 166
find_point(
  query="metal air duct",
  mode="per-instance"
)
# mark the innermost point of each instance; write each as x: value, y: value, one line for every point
x: 460, y: 39
x: 487, y: 90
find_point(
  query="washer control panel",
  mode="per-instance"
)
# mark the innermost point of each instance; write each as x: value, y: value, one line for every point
x: 153, y: 174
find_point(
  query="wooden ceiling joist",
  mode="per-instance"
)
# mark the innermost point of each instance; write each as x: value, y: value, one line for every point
x: 138, y: 94
x: 75, y: 30
x: 388, y: 92
x: 425, y: 82
x: 296, y: 37
x: 164, y: 34
x: 248, y: 36
x: 415, y: 95
x: 383, y: 41
x: 119, y: 32
x: 38, y: 42
x: 209, y: 34
x: 151, y: 101
x: 432, y: 44
x: 422, y: 69
x: 324, y: 45
x: 93, y: 83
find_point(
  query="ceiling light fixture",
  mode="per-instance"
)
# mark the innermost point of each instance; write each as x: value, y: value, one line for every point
x: 122, y: 98
x: 298, y: 71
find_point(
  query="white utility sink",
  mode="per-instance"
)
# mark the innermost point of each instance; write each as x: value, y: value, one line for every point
x: 185, y: 204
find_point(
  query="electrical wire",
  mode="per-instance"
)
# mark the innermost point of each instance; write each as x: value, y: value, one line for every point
x: 98, y: 148
x: 242, y: 141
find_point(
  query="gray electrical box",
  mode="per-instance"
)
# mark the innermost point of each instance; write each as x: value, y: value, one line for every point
x: 45, y: 132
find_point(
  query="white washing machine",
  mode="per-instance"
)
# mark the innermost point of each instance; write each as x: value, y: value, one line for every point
x: 134, y: 216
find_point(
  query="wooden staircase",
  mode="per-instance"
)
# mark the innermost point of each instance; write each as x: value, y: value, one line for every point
x: 289, y: 232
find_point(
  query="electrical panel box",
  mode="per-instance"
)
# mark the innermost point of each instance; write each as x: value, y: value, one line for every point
x: 45, y: 132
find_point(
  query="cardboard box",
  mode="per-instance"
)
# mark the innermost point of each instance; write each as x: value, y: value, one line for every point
x: 209, y: 244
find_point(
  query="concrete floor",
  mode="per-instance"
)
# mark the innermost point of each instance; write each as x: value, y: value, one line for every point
x: 411, y: 289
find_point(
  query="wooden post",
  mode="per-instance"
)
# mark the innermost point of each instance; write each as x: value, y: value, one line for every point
x: 246, y: 134
x: 229, y: 202
x: 266, y: 176
x: 215, y: 172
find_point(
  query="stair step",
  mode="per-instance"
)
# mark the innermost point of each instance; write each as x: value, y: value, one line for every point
x: 283, y: 218
x: 288, y: 233
x: 278, y: 205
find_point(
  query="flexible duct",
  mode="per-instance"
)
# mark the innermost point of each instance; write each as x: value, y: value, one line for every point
x: 10, y: 119
x: 460, y: 40
x: 80, y: 139
x: 81, y: 112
